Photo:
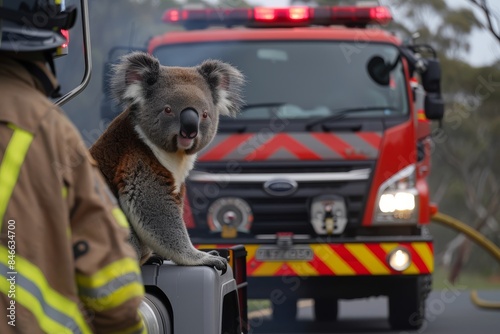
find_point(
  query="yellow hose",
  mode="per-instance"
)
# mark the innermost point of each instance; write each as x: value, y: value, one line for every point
x: 478, y: 238
x: 483, y: 303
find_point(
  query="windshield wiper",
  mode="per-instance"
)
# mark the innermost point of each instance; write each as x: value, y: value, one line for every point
x: 237, y: 126
x: 263, y: 105
x: 341, y: 113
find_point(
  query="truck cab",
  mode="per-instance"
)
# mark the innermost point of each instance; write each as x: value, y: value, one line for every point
x: 323, y: 175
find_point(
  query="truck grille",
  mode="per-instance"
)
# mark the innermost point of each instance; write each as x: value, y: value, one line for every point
x: 274, y: 213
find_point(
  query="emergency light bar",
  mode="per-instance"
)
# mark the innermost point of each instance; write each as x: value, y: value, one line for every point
x: 351, y: 16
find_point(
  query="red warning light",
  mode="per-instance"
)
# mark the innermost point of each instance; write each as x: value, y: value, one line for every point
x: 298, y: 13
x: 381, y: 14
x: 65, y: 33
x: 171, y: 16
x: 264, y: 14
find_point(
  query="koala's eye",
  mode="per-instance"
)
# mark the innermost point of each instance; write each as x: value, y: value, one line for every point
x: 205, y: 114
x: 168, y: 110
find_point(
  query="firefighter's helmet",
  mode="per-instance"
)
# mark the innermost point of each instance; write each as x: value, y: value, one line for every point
x: 34, y: 25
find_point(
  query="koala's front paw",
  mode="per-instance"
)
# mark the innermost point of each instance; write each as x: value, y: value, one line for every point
x: 154, y: 259
x: 212, y: 259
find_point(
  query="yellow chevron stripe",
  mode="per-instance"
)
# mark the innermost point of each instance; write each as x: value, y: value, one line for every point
x: 303, y: 268
x: 368, y: 259
x: 425, y: 254
x: 251, y: 250
x: 207, y: 246
x: 337, y: 264
x: 389, y: 246
x: 267, y: 269
x: 332, y: 260
x: 412, y: 269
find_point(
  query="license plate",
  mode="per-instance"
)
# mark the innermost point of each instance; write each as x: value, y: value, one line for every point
x: 295, y: 253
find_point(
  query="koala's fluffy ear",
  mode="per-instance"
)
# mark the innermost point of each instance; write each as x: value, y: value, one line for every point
x: 135, y: 72
x: 225, y: 82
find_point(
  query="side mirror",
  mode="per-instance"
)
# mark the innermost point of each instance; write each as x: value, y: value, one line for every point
x: 430, y: 72
x: 434, y: 106
x: 431, y: 81
x: 431, y: 78
x: 379, y: 71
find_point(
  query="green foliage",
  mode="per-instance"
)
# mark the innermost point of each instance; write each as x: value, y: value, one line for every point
x: 461, y: 20
x: 465, y: 176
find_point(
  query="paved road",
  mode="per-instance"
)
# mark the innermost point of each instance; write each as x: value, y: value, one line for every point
x: 449, y: 312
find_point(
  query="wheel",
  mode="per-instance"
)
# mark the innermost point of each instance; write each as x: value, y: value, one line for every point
x: 326, y: 309
x: 155, y: 315
x: 286, y: 311
x: 407, y: 304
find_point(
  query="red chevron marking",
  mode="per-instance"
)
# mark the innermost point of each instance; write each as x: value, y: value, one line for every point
x: 225, y: 147
x: 371, y: 138
x: 338, y: 145
x: 279, y: 141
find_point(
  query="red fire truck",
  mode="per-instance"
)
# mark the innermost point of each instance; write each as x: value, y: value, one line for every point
x: 323, y: 176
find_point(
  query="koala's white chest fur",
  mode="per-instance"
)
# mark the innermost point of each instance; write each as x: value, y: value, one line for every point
x: 178, y: 163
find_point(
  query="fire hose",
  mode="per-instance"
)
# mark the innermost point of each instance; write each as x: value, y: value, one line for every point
x: 479, y: 239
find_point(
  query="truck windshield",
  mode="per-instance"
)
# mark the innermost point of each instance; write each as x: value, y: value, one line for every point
x: 303, y: 79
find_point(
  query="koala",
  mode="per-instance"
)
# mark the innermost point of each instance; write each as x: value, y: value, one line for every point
x: 145, y: 154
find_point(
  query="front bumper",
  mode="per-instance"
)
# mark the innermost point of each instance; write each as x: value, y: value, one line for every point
x: 367, y: 256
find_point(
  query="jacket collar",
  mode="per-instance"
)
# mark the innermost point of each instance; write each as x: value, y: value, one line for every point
x: 11, y: 68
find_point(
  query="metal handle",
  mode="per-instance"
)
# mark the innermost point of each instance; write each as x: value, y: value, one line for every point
x: 88, y: 58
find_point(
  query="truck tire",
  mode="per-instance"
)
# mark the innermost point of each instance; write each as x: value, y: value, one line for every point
x: 326, y: 309
x: 407, y: 304
x: 286, y: 311
x: 155, y: 315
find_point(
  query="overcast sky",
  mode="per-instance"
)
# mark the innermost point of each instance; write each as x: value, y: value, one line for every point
x: 484, y: 48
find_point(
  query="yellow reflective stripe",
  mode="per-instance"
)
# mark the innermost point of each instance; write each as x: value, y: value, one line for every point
x: 51, y: 297
x: 32, y: 304
x: 421, y: 115
x: 364, y: 255
x: 332, y: 260
x: 64, y: 192
x: 251, y: 250
x: 207, y: 246
x: 10, y: 167
x: 120, y: 217
x: 116, y: 298
x: 411, y: 270
x: 267, y: 269
x: 111, y: 286
x: 303, y: 268
x: 425, y: 254
x: 108, y: 273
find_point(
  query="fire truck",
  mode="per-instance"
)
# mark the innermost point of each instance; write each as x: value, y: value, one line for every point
x: 323, y: 175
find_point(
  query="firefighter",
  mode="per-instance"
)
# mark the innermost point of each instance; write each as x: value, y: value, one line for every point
x: 65, y: 263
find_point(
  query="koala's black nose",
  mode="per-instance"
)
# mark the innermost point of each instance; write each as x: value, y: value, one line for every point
x: 189, y: 123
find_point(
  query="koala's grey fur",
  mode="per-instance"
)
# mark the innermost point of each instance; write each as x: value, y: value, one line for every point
x: 145, y: 159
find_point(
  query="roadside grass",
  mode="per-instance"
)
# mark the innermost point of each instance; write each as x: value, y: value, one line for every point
x: 258, y: 304
x: 466, y: 280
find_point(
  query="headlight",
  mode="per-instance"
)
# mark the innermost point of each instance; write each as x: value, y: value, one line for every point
x: 397, y: 200
x: 230, y: 215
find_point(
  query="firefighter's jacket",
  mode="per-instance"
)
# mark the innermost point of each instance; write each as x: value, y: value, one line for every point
x: 65, y: 263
